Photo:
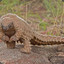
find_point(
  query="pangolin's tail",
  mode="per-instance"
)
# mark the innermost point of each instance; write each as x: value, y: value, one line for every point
x: 47, y: 40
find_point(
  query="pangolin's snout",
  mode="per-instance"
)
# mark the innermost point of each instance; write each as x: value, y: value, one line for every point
x: 5, y: 28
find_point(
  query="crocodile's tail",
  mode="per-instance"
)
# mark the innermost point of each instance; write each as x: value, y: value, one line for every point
x: 47, y: 40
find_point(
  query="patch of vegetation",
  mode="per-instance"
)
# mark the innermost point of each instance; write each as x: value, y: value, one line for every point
x: 50, y: 33
x: 7, y: 6
x: 54, y: 9
x: 35, y: 15
x: 43, y: 25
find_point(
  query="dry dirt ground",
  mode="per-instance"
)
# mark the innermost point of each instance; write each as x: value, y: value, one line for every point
x: 39, y: 55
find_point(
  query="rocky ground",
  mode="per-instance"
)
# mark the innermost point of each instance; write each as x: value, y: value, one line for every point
x: 39, y: 55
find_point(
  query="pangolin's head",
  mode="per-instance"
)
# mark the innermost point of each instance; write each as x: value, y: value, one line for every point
x: 7, y: 23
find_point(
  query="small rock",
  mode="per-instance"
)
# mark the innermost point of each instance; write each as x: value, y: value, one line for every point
x: 57, y: 60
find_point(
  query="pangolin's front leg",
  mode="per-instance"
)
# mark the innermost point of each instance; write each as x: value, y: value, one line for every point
x: 10, y: 45
x: 5, y: 38
x: 27, y: 46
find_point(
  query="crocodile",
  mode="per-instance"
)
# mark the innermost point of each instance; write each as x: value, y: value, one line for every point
x: 15, y: 28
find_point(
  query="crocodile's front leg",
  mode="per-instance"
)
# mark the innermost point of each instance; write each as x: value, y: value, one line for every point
x: 27, y: 47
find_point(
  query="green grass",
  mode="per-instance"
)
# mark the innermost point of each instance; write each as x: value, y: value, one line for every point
x: 7, y: 6
x: 54, y: 8
x: 35, y: 15
x: 43, y: 25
